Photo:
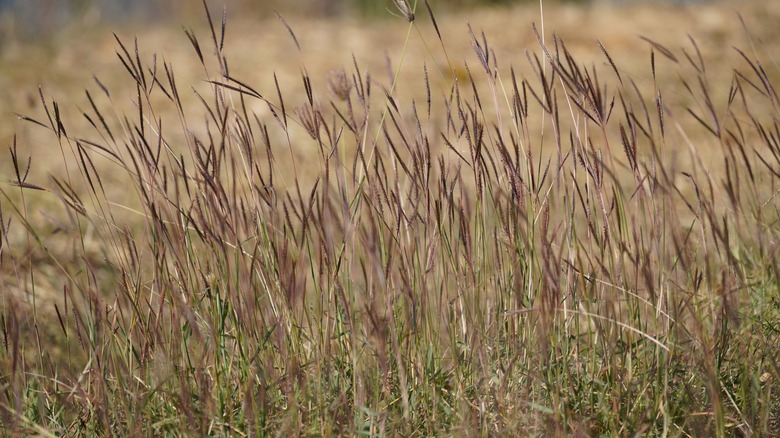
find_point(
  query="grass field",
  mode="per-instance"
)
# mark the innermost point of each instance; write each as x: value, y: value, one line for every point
x: 511, y: 221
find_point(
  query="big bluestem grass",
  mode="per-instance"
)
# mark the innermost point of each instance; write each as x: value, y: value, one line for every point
x: 509, y: 254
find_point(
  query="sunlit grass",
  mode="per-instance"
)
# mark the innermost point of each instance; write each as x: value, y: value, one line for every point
x: 577, y: 250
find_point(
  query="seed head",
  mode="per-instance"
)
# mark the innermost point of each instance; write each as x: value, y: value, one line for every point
x: 405, y: 10
x: 310, y: 117
x: 339, y: 84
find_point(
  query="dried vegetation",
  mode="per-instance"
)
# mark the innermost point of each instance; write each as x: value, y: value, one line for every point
x: 561, y: 245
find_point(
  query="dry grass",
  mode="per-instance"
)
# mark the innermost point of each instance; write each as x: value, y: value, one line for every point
x: 494, y: 228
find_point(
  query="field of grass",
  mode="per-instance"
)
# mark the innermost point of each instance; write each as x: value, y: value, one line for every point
x: 545, y: 221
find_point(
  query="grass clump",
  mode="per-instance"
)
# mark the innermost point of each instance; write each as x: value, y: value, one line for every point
x: 567, y: 252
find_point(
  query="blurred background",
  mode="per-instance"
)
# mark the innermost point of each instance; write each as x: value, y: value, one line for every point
x: 35, y: 19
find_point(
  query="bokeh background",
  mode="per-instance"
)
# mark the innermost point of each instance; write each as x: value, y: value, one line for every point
x: 30, y: 19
